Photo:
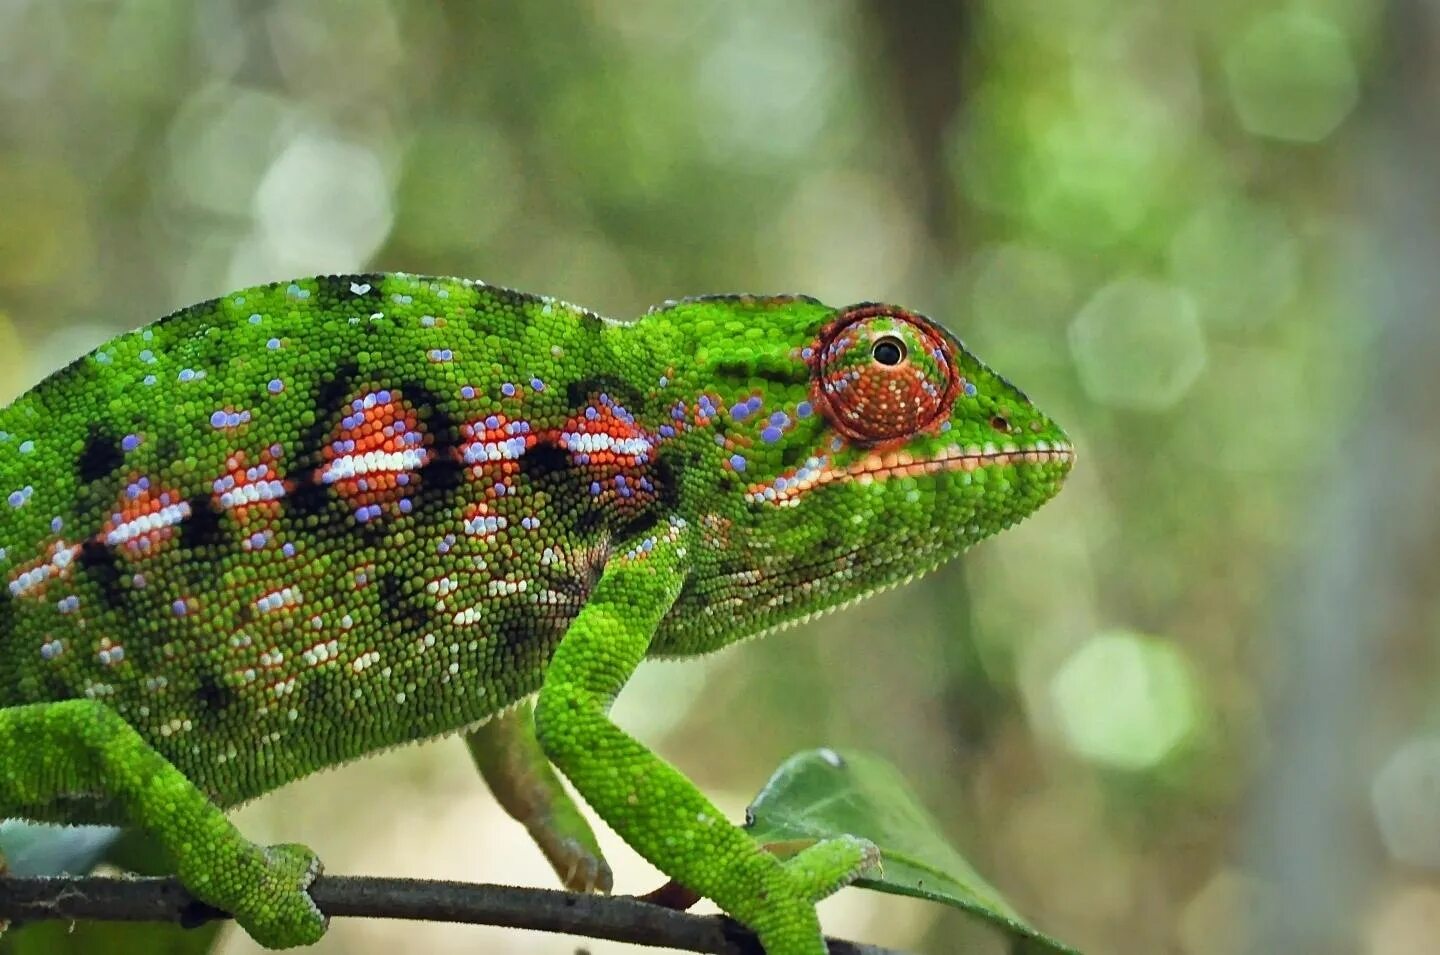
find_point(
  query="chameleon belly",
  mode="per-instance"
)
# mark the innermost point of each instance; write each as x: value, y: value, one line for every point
x: 293, y: 525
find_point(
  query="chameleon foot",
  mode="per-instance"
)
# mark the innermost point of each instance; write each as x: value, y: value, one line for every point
x: 831, y: 864
x: 268, y: 895
x: 580, y: 869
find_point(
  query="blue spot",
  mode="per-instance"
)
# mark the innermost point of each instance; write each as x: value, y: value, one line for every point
x: 741, y: 410
x: 218, y: 419
x: 56, y: 524
x: 273, y: 344
x: 771, y: 434
x: 737, y: 462
x: 179, y: 608
x: 255, y: 319
x: 537, y: 384
x: 27, y: 447
x: 276, y: 386
x: 129, y: 443
x: 288, y: 550
x: 803, y: 410
x: 508, y: 390
x: 594, y: 488
x: 467, y: 392
x: 149, y: 379
x: 970, y: 389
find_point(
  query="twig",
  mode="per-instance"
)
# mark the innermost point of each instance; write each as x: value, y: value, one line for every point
x: 618, y: 918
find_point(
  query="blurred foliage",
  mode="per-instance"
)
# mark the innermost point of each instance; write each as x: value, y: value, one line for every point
x: 1141, y: 212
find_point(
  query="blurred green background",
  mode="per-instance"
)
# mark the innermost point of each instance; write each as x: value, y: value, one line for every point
x: 1190, y: 707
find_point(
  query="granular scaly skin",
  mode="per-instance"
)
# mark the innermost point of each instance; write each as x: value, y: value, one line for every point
x: 306, y: 521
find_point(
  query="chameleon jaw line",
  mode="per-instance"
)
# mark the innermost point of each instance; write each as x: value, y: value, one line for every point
x: 878, y: 466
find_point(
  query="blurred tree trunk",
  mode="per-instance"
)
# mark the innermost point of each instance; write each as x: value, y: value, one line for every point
x: 1370, y: 540
x: 921, y: 54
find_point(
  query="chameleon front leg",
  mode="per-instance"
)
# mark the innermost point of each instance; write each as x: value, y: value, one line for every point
x: 645, y: 799
x: 509, y: 758
x: 54, y: 752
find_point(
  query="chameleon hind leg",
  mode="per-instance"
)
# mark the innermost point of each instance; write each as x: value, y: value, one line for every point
x: 509, y: 758
x: 54, y: 752
x: 645, y: 799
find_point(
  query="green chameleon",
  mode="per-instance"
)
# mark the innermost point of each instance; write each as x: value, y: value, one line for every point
x: 311, y: 520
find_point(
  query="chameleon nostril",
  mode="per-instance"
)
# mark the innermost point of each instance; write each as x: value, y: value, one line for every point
x: 1000, y: 423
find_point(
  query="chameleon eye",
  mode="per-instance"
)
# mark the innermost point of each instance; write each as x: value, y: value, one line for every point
x: 881, y: 374
x: 888, y: 350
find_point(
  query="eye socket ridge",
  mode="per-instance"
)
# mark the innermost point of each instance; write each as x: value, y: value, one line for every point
x: 889, y: 350
x: 878, y: 384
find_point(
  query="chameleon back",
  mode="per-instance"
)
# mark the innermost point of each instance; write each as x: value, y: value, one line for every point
x: 287, y: 527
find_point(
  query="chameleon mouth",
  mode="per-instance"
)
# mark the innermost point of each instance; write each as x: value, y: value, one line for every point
x: 878, y: 466
x: 956, y: 458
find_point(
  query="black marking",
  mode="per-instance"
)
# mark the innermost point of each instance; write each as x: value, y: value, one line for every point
x: 794, y: 454
x: 214, y: 698
x: 778, y: 371
x: 667, y: 485
x: 308, y: 498
x: 101, y: 457
x: 331, y: 399
x: 202, y: 528
x: 100, y: 563
x: 833, y: 541
x: 7, y: 613
x: 590, y: 521
x: 544, y: 459
x: 395, y: 603
x: 444, y: 471
x: 581, y: 393
x: 332, y: 396
x: 635, y: 527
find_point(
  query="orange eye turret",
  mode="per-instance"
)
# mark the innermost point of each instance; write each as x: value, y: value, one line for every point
x: 881, y: 374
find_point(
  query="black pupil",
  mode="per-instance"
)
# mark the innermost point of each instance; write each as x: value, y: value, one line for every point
x: 888, y: 351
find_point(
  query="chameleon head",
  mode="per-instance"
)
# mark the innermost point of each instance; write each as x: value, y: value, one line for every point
x: 929, y: 429
x: 897, y: 447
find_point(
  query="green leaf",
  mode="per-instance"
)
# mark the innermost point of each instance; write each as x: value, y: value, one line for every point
x: 819, y: 793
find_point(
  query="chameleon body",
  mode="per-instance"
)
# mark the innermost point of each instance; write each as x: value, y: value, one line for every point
x: 310, y: 520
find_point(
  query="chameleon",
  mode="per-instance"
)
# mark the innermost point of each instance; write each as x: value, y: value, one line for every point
x: 315, y: 519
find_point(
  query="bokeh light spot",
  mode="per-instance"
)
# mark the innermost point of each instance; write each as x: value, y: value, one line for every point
x: 1405, y: 794
x: 1292, y: 76
x: 1138, y: 344
x: 1125, y: 700
x: 323, y: 205
x: 1241, y: 260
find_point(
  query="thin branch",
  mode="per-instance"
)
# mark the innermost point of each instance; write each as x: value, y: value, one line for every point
x: 618, y: 918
